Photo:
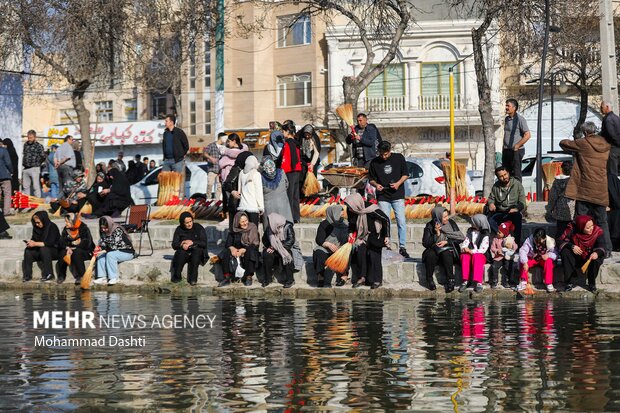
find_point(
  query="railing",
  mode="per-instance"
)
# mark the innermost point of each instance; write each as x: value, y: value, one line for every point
x: 385, y: 103
x: 438, y: 102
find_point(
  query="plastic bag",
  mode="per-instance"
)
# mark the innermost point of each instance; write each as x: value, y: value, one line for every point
x: 239, y: 271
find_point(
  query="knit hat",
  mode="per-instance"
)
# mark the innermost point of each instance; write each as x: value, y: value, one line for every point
x: 506, y: 228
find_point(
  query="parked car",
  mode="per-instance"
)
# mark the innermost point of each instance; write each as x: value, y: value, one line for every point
x: 145, y: 191
x: 477, y: 178
x: 528, y: 170
x: 426, y: 178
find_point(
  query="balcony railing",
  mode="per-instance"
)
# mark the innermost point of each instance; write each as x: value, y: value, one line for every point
x: 438, y: 102
x: 385, y: 103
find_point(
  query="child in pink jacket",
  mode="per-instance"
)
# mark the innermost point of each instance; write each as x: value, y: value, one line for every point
x: 503, y: 250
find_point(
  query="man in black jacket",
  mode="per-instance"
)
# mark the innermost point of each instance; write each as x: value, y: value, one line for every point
x: 175, y: 146
x: 364, y: 142
x: 610, y: 130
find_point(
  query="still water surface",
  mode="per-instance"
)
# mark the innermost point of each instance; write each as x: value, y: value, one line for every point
x: 317, y: 355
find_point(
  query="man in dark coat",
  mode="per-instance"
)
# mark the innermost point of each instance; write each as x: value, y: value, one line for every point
x: 610, y: 130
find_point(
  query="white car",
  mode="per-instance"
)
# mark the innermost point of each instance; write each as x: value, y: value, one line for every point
x: 528, y: 172
x: 145, y: 191
x: 426, y: 178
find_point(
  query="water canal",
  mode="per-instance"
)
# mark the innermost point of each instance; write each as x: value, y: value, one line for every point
x: 316, y: 355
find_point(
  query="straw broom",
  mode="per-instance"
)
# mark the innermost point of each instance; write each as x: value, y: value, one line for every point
x: 88, y: 274
x: 585, y: 266
x: 311, y: 184
x: 549, y: 172
x: 339, y: 260
x: 345, y: 111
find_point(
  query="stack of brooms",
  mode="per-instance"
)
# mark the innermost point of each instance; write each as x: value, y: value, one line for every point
x: 206, y: 209
x: 460, y: 178
x: 169, y: 187
x: 421, y: 208
x: 21, y: 201
x: 550, y: 171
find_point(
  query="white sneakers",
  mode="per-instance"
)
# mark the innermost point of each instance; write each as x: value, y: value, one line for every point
x: 550, y: 288
x: 522, y: 285
x: 100, y: 281
x: 112, y: 282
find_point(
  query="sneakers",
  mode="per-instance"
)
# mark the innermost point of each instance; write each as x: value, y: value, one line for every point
x: 550, y: 288
x: 101, y: 281
x: 5, y: 235
x: 402, y: 251
x: 478, y: 288
x: 522, y: 286
x: 463, y: 287
x: 224, y: 282
x: 592, y: 288
x: 48, y: 277
x: 569, y: 287
x: 449, y: 286
x: 374, y: 286
x: 112, y: 282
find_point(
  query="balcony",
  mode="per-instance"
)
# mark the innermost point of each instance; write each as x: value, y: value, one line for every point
x: 401, y: 103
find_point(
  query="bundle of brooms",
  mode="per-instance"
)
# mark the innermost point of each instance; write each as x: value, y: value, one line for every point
x: 169, y: 186
x: 460, y: 178
x: 550, y: 171
x: 338, y: 262
x: 311, y: 184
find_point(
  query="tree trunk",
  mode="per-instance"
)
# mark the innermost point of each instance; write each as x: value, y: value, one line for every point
x: 484, y: 107
x: 583, y: 111
x: 88, y: 146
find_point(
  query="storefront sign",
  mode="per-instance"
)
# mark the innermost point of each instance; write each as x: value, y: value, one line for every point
x: 112, y: 134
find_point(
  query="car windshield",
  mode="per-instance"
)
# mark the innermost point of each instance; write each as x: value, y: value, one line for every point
x: 415, y: 171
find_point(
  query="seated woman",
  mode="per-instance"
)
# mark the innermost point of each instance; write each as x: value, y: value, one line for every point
x: 41, y: 247
x: 190, y: 245
x: 538, y: 249
x: 71, y: 194
x: 116, y: 247
x: 76, y: 243
x: 278, y: 240
x: 241, y: 245
x: 372, y: 227
x: 473, y: 253
x: 95, y: 195
x: 441, y: 234
x: 331, y: 234
x: 580, y: 242
x: 117, y: 196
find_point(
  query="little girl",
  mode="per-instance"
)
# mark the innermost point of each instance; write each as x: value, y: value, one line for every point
x: 538, y: 249
x: 473, y: 252
x: 503, y: 249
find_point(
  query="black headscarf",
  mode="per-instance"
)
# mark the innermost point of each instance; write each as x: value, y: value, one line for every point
x: 119, y: 184
x: 41, y: 234
x: 241, y: 158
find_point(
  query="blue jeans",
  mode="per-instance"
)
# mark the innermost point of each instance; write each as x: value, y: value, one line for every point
x: 399, y: 212
x: 169, y: 165
x: 107, y: 264
x: 54, y: 189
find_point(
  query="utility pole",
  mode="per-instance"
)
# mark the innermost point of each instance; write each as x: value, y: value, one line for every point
x: 608, y: 53
x: 219, y: 69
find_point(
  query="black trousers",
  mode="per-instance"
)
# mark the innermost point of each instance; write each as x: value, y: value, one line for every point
x: 77, y: 267
x: 233, y: 203
x: 366, y: 263
x: 192, y: 257
x: 247, y: 262
x: 293, y: 193
x: 3, y: 224
x: 572, y: 266
x: 496, y: 266
x: 430, y: 258
x: 613, y: 160
x: 44, y: 255
x: 511, y: 159
x: 318, y: 262
x: 498, y: 218
x: 273, y: 261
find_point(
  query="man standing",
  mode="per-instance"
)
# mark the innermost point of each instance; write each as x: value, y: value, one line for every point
x: 516, y: 133
x: 506, y: 202
x: 6, y: 169
x: 212, y: 154
x: 141, y: 167
x: 65, y: 162
x: 388, y: 173
x: 364, y: 142
x: 610, y: 130
x: 53, y: 174
x: 587, y: 184
x: 34, y: 155
x: 120, y: 162
x: 175, y: 146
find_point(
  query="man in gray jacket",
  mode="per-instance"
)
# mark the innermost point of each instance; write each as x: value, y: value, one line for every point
x: 506, y: 202
x: 64, y: 161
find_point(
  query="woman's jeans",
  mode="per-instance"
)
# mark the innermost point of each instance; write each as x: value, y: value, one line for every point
x: 107, y: 264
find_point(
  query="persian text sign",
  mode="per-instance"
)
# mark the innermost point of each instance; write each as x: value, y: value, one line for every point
x: 112, y: 134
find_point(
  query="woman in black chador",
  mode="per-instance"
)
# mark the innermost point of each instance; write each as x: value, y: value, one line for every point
x: 190, y: 245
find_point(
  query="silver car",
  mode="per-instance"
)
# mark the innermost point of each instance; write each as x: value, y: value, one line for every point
x: 426, y: 178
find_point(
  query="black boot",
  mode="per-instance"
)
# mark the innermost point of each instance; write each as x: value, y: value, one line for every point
x: 431, y: 283
x: 449, y: 286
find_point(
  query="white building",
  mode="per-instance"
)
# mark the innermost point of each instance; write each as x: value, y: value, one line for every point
x: 409, y: 102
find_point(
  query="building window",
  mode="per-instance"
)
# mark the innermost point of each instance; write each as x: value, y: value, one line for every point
x: 131, y: 109
x: 207, y: 116
x: 207, y: 64
x: 105, y: 112
x: 293, y: 32
x: 192, y: 117
x: 192, y: 67
x: 67, y: 116
x: 389, y: 83
x: 435, y: 78
x: 295, y: 90
x: 159, y: 105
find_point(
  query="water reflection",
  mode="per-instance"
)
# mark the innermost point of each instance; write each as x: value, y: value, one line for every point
x: 288, y: 355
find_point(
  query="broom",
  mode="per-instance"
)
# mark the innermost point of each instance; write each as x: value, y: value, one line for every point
x: 88, y: 274
x: 585, y: 266
x: 345, y: 111
x: 338, y: 262
x: 311, y: 184
x: 87, y: 209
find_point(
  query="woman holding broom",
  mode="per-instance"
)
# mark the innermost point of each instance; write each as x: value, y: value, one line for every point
x: 582, y: 243
x: 76, y: 246
x: 310, y: 155
x: 372, y: 227
x: 116, y: 247
x: 331, y: 234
